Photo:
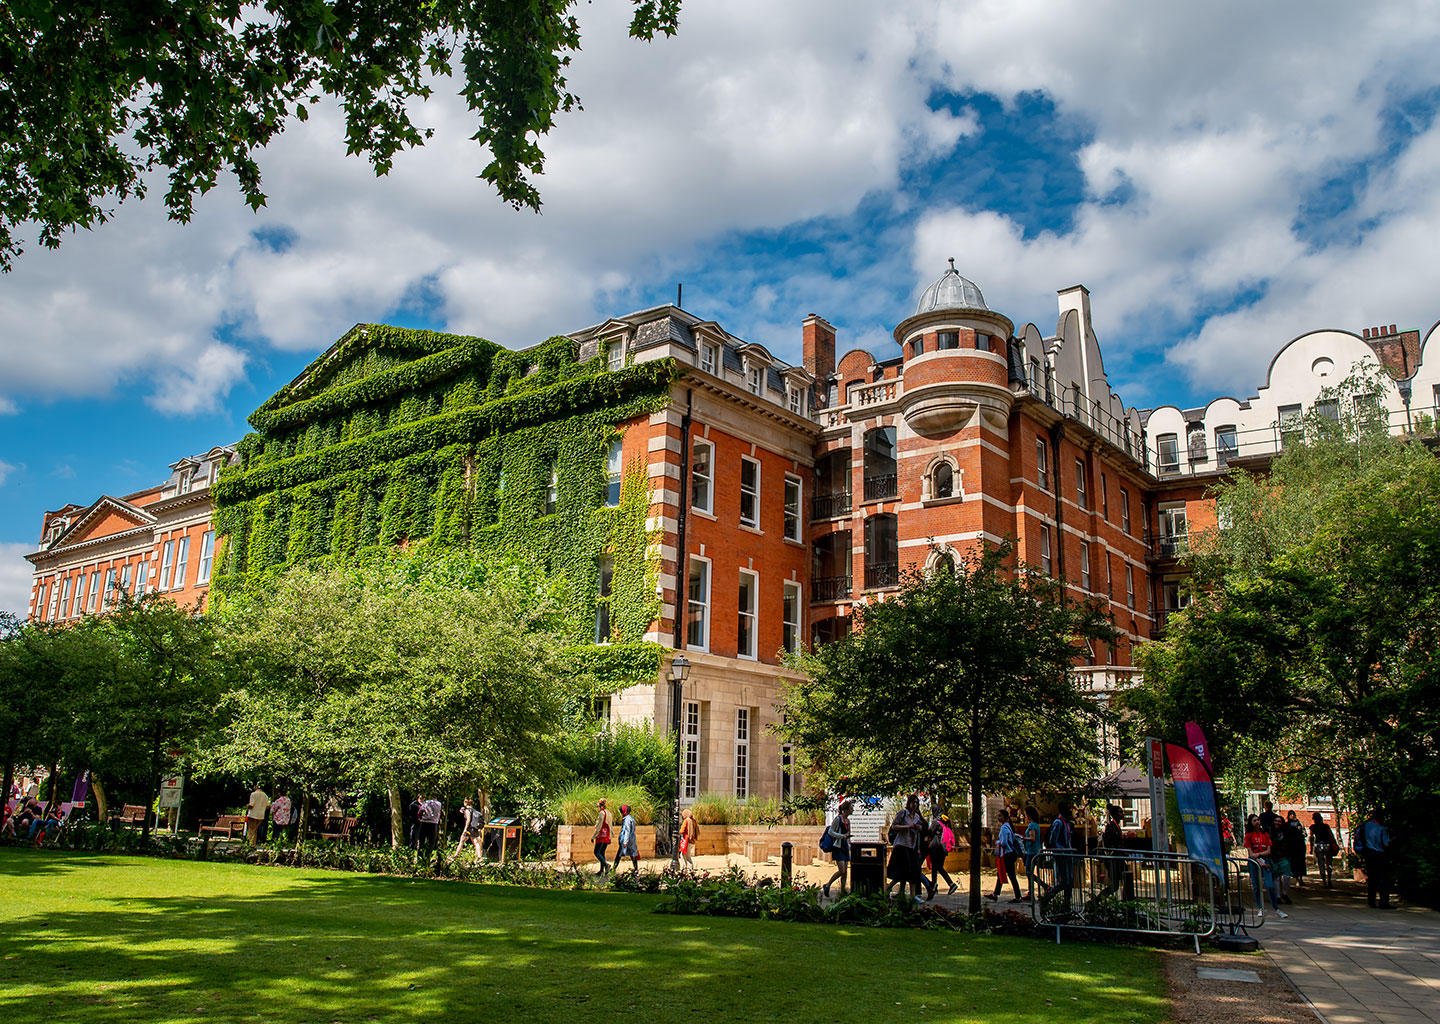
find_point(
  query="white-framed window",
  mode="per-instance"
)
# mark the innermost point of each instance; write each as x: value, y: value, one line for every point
x: 79, y: 605
x: 790, y: 637
x: 142, y: 577
x: 795, y: 400
x: 1291, y: 422
x: 691, y: 744
x: 1174, y: 529
x: 94, y: 597
x: 615, y: 355
x: 602, y: 603
x: 742, y: 753
x: 1047, y: 559
x: 1082, y: 487
x: 1042, y: 464
x: 1130, y: 586
x: 702, y: 475
x: 708, y: 361
x: 207, y: 556
x: 1085, y: 565
x: 552, y: 490
x: 125, y: 578
x: 794, y: 497
x: 167, y: 554
x: 64, y: 596
x: 789, y: 781
x: 1168, y: 448
x: 1125, y: 509
x: 108, y: 594
x: 749, y: 491
x: 697, y: 594
x: 755, y: 379
x: 614, y: 463
x: 746, y: 643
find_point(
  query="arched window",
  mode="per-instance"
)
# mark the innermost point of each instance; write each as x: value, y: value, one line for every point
x: 942, y: 481
x: 880, y: 464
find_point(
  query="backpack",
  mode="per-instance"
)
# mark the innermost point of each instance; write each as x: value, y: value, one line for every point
x: 827, y: 841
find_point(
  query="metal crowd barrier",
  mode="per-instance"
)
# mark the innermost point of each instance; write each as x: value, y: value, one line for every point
x: 1244, y: 893
x: 1140, y: 892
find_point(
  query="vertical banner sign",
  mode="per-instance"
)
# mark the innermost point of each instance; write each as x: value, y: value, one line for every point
x: 81, y: 791
x: 171, y: 789
x: 1195, y: 740
x: 1195, y: 796
x: 1155, y: 773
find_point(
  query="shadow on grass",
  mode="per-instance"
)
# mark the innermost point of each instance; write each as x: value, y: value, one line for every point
x: 336, y: 947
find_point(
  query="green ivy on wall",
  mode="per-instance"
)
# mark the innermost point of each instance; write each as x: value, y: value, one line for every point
x: 438, y: 443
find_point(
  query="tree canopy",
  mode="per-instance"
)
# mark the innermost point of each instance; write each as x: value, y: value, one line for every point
x: 960, y: 682
x: 380, y: 676
x: 1311, y: 648
x: 95, y: 95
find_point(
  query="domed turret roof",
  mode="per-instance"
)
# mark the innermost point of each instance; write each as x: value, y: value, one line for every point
x: 951, y: 292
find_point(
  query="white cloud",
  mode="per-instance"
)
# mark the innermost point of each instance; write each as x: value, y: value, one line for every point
x: 5, y: 470
x: 15, y: 578
x: 8, y: 407
x: 1219, y: 118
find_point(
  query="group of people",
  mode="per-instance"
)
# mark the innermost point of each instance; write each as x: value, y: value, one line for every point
x: 628, y: 845
x: 280, y: 818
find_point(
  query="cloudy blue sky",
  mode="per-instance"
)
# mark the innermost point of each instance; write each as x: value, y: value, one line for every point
x: 1222, y: 176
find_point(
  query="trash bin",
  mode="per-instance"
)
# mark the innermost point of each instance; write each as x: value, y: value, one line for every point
x: 867, y: 868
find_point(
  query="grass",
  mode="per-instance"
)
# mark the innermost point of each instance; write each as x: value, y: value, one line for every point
x: 111, y: 939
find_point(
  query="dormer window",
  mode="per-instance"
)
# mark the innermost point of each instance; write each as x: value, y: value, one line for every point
x: 796, y: 400
x: 186, y: 476
x: 709, y: 357
x: 754, y: 378
x: 615, y: 355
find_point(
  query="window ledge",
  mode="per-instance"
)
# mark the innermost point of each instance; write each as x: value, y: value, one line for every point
x: 703, y: 514
x: 794, y: 543
x: 752, y: 529
x: 954, y: 500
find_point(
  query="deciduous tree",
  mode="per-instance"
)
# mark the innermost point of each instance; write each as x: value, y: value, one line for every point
x: 96, y: 95
x: 960, y: 682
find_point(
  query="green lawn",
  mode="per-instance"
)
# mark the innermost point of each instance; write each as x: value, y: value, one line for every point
x: 111, y: 939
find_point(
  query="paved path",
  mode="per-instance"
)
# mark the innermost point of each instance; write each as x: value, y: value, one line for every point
x: 1357, y: 965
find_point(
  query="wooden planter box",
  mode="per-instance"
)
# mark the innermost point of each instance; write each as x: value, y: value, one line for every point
x: 573, y: 844
x: 760, y: 844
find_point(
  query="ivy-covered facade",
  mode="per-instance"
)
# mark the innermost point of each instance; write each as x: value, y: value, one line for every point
x: 398, y: 437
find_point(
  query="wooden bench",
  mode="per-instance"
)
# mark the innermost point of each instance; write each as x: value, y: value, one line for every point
x: 227, y: 826
x: 130, y: 814
x: 343, y: 835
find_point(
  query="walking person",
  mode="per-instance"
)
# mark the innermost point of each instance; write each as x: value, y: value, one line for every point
x: 1113, y: 840
x: 430, y: 814
x: 904, y: 867
x: 601, y: 837
x: 472, y: 828
x: 839, y: 831
x: 1258, y: 844
x: 1007, y: 849
x: 280, y: 812
x: 628, y: 846
x: 1060, y: 841
x: 255, y: 812
x: 941, y: 842
x: 689, y: 833
x: 1031, y: 849
x: 1323, y: 846
x: 1295, y: 846
x: 1372, y: 843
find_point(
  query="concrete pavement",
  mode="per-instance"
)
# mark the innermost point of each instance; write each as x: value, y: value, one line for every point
x: 1356, y: 965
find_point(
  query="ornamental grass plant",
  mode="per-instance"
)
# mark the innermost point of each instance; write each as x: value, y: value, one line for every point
x: 576, y: 805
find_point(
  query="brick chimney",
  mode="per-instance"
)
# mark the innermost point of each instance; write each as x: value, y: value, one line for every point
x: 1398, y: 352
x: 818, y: 345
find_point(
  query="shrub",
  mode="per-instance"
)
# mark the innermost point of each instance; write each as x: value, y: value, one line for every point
x: 576, y: 805
x: 714, y: 809
x: 622, y: 754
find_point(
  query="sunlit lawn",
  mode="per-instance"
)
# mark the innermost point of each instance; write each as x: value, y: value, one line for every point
x: 111, y: 939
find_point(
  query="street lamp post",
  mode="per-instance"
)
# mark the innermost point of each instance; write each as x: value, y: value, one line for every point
x: 679, y: 671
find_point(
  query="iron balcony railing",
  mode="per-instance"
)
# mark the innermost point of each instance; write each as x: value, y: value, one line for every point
x: 830, y: 588
x: 878, y: 488
x: 881, y: 574
x: 828, y: 506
